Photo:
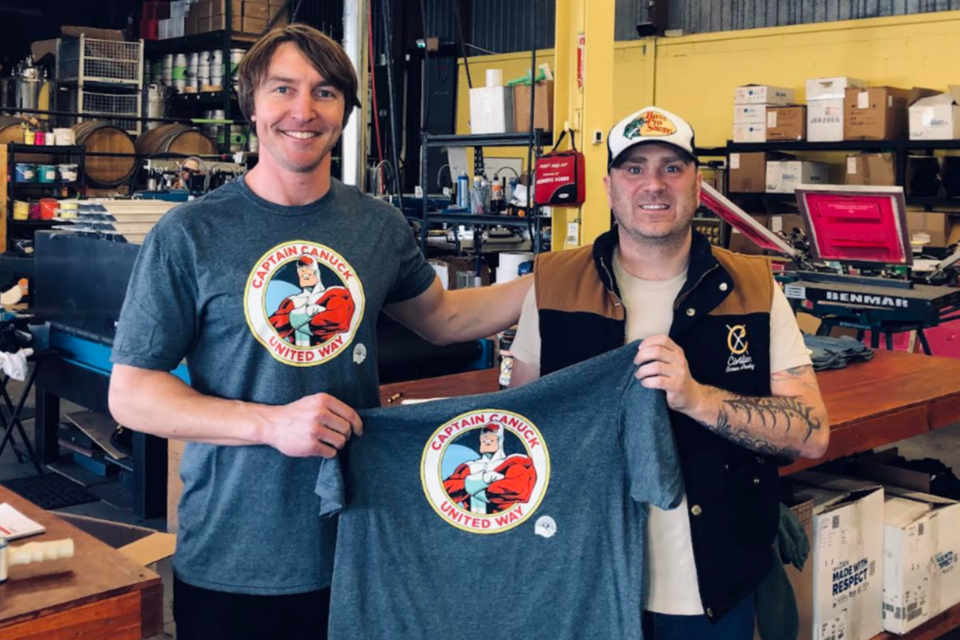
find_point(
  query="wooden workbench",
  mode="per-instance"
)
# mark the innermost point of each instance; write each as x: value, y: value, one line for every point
x: 893, y: 397
x: 97, y: 594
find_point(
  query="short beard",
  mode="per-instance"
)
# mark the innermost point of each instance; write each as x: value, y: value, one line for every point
x: 674, y: 238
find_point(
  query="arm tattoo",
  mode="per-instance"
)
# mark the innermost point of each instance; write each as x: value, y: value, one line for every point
x: 763, y: 422
x: 797, y: 374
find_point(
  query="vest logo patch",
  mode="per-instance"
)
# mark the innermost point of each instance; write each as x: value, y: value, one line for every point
x: 304, y: 303
x: 485, y: 471
x: 740, y: 359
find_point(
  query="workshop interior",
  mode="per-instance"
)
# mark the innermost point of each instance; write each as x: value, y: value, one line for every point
x: 827, y: 141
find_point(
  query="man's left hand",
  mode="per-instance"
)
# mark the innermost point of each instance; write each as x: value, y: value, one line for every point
x: 664, y: 366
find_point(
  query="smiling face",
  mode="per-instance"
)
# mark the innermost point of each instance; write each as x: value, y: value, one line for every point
x: 298, y: 113
x: 489, y: 443
x: 654, y: 192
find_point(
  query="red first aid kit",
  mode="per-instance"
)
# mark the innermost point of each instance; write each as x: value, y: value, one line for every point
x: 560, y: 179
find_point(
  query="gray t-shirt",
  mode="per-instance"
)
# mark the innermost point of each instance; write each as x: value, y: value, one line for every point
x: 518, y: 514
x: 268, y: 304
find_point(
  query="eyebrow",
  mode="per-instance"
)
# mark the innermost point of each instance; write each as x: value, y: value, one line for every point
x: 325, y: 84
x: 644, y: 160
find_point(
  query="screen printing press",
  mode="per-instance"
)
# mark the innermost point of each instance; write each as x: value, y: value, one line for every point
x: 82, y: 272
x: 856, y: 270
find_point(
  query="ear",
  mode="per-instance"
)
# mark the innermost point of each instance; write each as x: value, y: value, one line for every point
x: 606, y: 186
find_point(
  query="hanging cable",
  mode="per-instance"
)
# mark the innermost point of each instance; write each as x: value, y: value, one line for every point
x: 388, y: 42
x: 376, y: 109
x: 425, y: 110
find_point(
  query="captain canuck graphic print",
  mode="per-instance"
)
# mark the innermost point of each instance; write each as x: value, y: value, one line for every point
x: 486, y: 471
x: 304, y: 303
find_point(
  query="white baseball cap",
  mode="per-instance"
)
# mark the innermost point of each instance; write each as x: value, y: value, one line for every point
x: 650, y: 124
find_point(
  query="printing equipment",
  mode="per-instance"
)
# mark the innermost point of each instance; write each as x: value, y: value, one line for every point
x: 856, y: 271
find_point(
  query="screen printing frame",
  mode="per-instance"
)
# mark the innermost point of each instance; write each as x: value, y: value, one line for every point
x: 745, y: 223
x: 897, y: 205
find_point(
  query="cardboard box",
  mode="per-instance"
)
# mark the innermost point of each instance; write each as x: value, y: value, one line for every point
x: 748, y: 171
x: 878, y: 113
x: 491, y: 110
x: 191, y: 25
x: 825, y: 120
x: 447, y: 269
x: 750, y: 132
x: 219, y: 23
x: 203, y: 10
x: 784, y: 176
x: 936, y: 117
x: 253, y: 25
x: 543, y: 118
x: 256, y: 11
x: 42, y: 48
x: 762, y: 94
x: 740, y: 243
x: 831, y: 88
x: 272, y: 12
x: 802, y: 581
x: 152, y: 549
x: 921, y: 548
x: 93, y: 32
x: 219, y: 7
x: 929, y: 228
x: 750, y: 114
x: 847, y: 560
x: 786, y: 223
x: 873, y: 169
x: 787, y: 123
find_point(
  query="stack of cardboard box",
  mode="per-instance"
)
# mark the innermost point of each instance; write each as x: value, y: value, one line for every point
x: 825, y: 107
x: 248, y: 16
x: 750, y: 110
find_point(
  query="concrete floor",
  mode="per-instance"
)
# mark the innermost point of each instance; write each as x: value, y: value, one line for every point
x: 943, y: 445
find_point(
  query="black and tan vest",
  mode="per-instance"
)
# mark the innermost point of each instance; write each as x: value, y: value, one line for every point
x: 722, y: 322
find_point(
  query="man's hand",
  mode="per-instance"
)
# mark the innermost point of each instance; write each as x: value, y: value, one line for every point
x: 664, y: 366
x: 318, y: 425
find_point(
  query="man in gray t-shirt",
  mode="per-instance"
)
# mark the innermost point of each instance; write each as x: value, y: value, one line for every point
x: 519, y: 514
x: 270, y: 288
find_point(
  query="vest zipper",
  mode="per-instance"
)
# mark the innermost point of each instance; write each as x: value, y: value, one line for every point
x: 680, y: 299
x: 619, y: 301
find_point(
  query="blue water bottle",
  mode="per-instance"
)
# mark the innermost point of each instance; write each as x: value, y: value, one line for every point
x: 463, y: 191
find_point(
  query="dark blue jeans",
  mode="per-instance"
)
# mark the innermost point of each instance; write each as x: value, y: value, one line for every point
x: 736, y: 625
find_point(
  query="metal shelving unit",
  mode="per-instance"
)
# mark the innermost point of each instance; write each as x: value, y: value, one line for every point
x: 899, y: 148
x: 106, y: 79
x: 535, y: 140
x: 225, y: 40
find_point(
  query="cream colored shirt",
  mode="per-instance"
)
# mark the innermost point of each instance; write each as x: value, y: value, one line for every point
x: 672, y: 585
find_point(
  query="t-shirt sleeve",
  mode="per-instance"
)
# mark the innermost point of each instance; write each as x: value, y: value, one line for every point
x: 158, y: 321
x: 526, y: 344
x: 330, y: 487
x: 653, y: 465
x: 787, y: 349
x: 415, y: 275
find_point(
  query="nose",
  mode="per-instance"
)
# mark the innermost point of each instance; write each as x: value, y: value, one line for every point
x: 653, y: 183
x: 304, y: 108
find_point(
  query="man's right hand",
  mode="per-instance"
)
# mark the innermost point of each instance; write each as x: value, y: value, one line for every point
x: 318, y: 425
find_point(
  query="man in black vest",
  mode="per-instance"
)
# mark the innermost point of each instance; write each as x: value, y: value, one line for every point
x: 719, y: 339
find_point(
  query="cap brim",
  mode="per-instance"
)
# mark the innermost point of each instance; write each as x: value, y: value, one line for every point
x: 689, y: 156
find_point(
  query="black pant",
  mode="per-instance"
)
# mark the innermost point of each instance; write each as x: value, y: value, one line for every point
x: 202, y: 614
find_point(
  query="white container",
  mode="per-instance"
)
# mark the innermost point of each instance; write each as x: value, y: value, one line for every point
x: 494, y: 77
x: 491, y: 110
x: 825, y: 120
x: 193, y: 61
x: 762, y: 94
x: 180, y: 70
x: 166, y: 70
x: 750, y: 132
x: 65, y: 137
x: 825, y: 88
x: 786, y: 175
x: 750, y: 114
x: 936, y: 117
x: 847, y: 557
x: 67, y: 172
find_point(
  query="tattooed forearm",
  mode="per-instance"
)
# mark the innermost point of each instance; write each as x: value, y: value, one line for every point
x: 800, y: 375
x: 772, y: 426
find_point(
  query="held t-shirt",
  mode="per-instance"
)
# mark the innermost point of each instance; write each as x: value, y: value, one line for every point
x: 672, y: 581
x: 514, y: 514
x: 268, y: 304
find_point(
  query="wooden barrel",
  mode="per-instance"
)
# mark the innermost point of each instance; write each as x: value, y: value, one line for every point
x: 11, y: 130
x: 175, y: 138
x: 102, y: 137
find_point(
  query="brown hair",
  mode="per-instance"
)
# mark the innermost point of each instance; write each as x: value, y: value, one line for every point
x: 326, y: 56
